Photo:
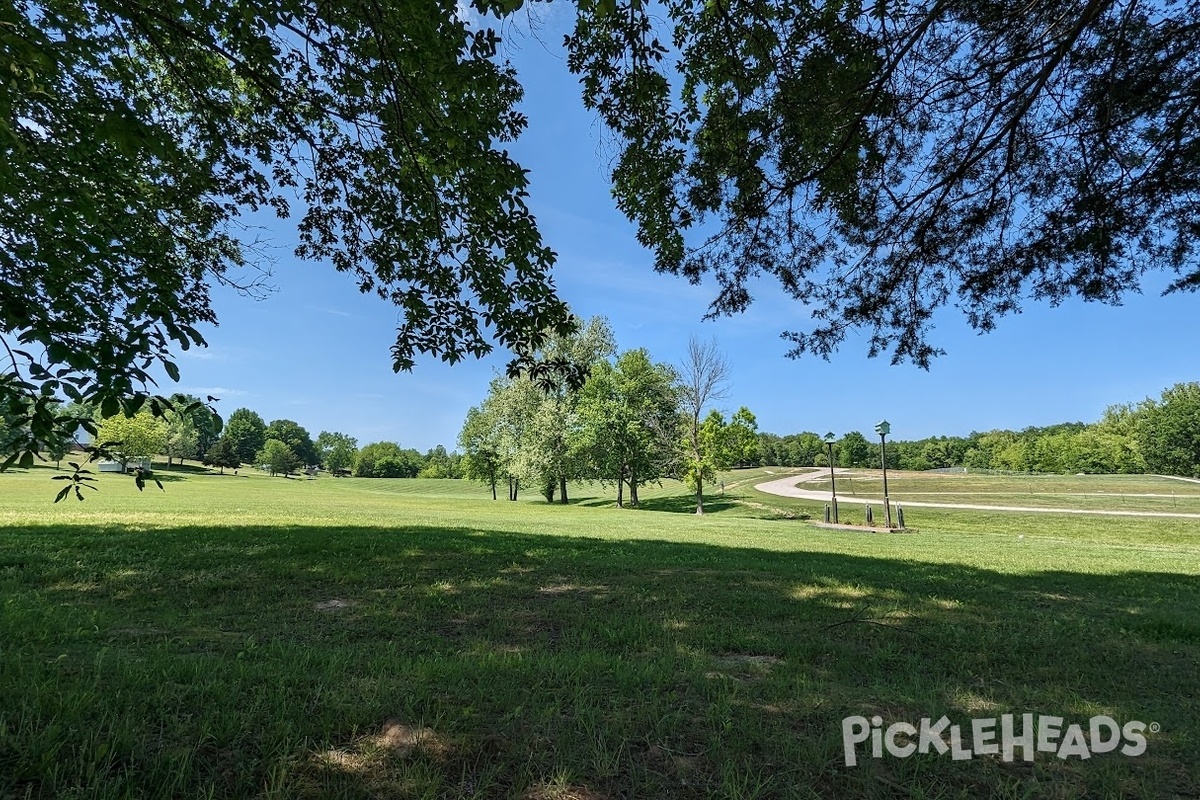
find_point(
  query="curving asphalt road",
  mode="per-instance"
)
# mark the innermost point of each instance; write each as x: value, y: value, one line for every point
x: 789, y: 487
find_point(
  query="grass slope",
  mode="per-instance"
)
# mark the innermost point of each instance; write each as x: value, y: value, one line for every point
x: 251, y: 637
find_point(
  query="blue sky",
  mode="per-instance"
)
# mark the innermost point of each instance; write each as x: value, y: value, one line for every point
x: 317, y: 352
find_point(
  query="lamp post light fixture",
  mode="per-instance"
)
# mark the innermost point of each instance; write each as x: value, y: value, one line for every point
x: 830, y: 438
x: 883, y: 429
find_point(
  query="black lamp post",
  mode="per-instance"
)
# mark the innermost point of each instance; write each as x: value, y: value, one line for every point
x: 883, y: 429
x: 829, y: 440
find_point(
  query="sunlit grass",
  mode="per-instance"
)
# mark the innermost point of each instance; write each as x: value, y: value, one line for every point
x: 255, y: 637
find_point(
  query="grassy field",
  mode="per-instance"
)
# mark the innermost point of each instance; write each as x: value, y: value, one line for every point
x: 241, y: 636
x: 1103, y: 492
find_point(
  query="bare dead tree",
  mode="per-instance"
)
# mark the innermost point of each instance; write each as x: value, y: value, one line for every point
x: 704, y: 380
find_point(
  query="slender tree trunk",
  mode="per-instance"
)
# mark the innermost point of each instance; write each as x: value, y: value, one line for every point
x: 493, y: 487
x: 562, y: 489
x: 621, y: 489
x: 633, y: 484
x: 699, y: 496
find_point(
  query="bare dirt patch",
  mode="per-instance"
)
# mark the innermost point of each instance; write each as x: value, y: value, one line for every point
x: 333, y: 605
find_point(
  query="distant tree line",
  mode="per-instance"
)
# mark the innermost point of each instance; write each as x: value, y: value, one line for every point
x: 1156, y: 435
x: 284, y: 446
x: 190, y: 431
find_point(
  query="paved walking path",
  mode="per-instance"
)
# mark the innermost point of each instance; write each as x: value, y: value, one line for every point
x: 1178, y: 478
x: 788, y: 487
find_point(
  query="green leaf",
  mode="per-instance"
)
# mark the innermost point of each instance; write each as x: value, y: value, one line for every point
x: 110, y: 406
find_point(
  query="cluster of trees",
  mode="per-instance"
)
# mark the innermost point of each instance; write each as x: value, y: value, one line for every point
x: 181, y: 431
x: 1158, y: 436
x: 284, y: 446
x: 633, y: 421
x: 390, y: 460
x: 189, y: 430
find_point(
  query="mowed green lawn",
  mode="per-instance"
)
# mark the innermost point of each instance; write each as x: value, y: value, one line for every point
x: 1104, y: 492
x: 245, y: 637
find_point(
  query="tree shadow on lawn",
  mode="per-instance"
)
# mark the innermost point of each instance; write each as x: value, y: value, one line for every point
x: 454, y: 662
x: 681, y: 504
x: 673, y: 504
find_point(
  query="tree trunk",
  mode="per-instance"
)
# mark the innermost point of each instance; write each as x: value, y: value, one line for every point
x: 621, y: 490
x: 493, y: 488
x: 633, y: 484
x: 699, y: 497
x: 562, y: 489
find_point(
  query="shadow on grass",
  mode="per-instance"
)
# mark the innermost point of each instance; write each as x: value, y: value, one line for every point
x: 164, y: 476
x: 426, y: 661
x: 193, y: 469
x: 682, y: 504
x: 713, y: 504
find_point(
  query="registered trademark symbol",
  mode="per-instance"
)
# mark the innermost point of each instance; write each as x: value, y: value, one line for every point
x: 1155, y: 727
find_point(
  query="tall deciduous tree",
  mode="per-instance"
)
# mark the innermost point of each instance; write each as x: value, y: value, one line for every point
x: 204, y: 420
x: 222, y: 455
x: 138, y: 437
x: 549, y: 451
x: 742, y: 435
x: 1169, y: 431
x: 247, y: 432
x: 336, y: 451
x: 296, y: 437
x: 182, y: 438
x: 853, y: 450
x: 629, y: 422
x: 712, y: 450
x: 512, y: 405
x: 479, y: 440
x: 277, y: 457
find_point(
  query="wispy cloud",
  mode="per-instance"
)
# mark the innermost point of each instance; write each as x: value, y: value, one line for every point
x: 223, y: 354
x: 213, y: 391
x: 204, y: 355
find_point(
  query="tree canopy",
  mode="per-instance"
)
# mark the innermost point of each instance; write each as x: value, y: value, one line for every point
x: 296, y: 438
x: 882, y: 161
x: 138, y: 437
x: 135, y: 135
x: 246, y: 432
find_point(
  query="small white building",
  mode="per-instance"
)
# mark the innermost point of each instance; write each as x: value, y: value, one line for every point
x: 115, y: 466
